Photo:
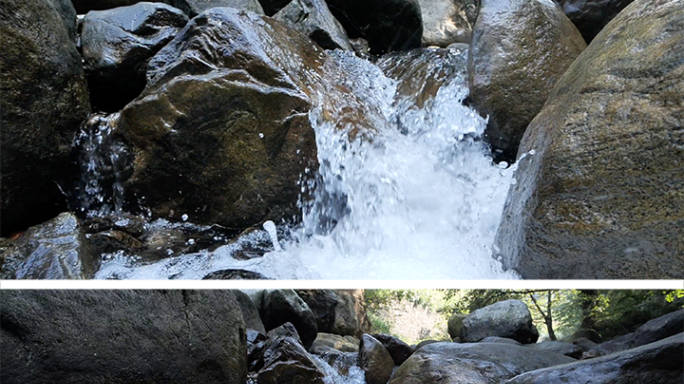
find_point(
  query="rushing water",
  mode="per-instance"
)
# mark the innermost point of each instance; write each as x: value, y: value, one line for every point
x: 421, y: 200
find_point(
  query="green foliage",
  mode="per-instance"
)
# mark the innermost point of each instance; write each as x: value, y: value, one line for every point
x: 378, y: 325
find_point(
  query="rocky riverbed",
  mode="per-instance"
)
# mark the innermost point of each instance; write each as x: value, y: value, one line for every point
x: 456, y: 138
x: 312, y: 336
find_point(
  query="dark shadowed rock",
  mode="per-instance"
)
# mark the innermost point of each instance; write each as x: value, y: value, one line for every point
x: 222, y: 130
x: 601, y: 197
x: 287, y: 362
x: 520, y: 49
x: 479, y: 363
x: 284, y: 305
x: 374, y: 360
x: 399, y: 350
x: 446, y: 21
x: 102, y: 336
x: 656, y: 363
x: 455, y: 324
x: 560, y: 347
x: 327, y: 343
x: 194, y: 7
x: 387, y: 25
x: 44, y: 100
x: 313, y: 18
x: 654, y: 330
x: 116, y: 45
x: 250, y: 313
x: 271, y: 7
x: 285, y: 330
x: 337, y: 311
x: 510, y: 319
x: 57, y: 249
x: 590, y: 16
x: 235, y: 274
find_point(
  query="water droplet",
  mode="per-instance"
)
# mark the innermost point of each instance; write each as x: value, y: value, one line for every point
x: 261, y: 135
x: 184, y: 217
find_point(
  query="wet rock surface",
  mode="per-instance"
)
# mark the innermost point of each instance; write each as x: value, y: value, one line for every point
x: 472, y: 363
x: 510, y: 319
x: 57, y: 249
x: 658, y: 363
x: 387, y: 25
x: 313, y: 18
x: 44, y: 99
x: 91, y: 336
x: 374, y: 360
x: 117, y: 43
x: 224, y: 139
x: 601, y: 196
x: 520, y: 49
x: 590, y: 16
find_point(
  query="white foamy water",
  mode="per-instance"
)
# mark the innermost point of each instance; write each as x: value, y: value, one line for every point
x: 424, y: 203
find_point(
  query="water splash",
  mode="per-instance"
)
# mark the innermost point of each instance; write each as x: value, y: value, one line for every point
x: 420, y: 202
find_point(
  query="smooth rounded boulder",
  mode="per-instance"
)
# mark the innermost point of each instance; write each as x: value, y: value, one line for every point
x: 509, y: 318
x: 374, y: 360
x: 519, y: 50
x: 601, y: 197
x: 446, y: 22
x: 105, y: 336
x: 44, y: 100
x: 313, y: 18
x: 340, y: 312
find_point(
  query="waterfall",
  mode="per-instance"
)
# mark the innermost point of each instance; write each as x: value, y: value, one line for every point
x: 422, y: 199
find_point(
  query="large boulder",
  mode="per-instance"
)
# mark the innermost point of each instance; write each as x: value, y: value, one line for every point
x: 44, y: 100
x: 100, y: 336
x: 446, y: 21
x: 250, y: 313
x: 520, y: 49
x: 194, y: 7
x: 656, y: 363
x: 480, y: 363
x: 56, y: 249
x: 399, y: 350
x: 374, y: 360
x: 509, y: 318
x: 281, y: 306
x: 117, y: 43
x: 287, y: 362
x: 222, y: 132
x: 337, y: 311
x: 601, y: 196
x: 387, y: 25
x: 654, y: 330
x: 590, y: 16
x: 313, y: 18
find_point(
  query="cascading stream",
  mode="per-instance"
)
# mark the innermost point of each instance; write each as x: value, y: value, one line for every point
x: 422, y: 199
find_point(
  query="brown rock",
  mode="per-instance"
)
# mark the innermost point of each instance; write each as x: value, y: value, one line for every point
x: 602, y: 196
